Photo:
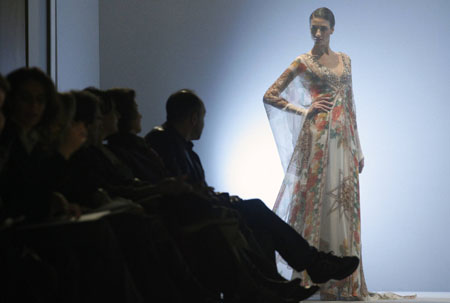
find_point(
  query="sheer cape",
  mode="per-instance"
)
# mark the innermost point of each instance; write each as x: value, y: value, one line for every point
x: 286, y: 126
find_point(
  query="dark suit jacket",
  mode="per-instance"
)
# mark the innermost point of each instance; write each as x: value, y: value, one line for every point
x: 177, y: 153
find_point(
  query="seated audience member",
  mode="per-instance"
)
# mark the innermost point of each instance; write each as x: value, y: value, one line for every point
x: 173, y: 142
x: 127, y: 145
x: 85, y: 257
x: 26, y: 279
x: 31, y: 108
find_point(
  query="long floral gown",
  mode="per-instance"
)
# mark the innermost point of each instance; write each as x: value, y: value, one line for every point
x: 320, y: 153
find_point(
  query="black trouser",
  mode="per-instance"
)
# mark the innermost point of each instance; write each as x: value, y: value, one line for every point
x: 219, y: 247
x: 273, y: 234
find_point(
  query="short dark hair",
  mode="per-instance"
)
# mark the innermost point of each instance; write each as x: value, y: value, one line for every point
x: 21, y: 76
x: 181, y: 104
x: 86, y: 105
x: 124, y: 100
x: 324, y: 13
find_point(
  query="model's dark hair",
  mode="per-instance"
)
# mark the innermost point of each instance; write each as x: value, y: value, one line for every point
x: 324, y: 13
x: 4, y: 85
x: 124, y: 100
x: 182, y: 104
x: 21, y: 76
x: 86, y: 105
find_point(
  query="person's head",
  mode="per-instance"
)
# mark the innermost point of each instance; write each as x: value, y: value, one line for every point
x: 186, y: 109
x: 88, y: 112
x: 322, y: 24
x: 108, y: 110
x: 32, y: 100
x: 125, y: 103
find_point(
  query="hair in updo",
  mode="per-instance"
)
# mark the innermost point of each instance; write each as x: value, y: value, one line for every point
x: 324, y: 13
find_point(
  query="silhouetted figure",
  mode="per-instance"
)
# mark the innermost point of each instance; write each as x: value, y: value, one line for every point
x: 127, y: 145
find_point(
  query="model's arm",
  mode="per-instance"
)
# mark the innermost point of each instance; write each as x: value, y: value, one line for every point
x: 320, y: 102
x: 272, y: 95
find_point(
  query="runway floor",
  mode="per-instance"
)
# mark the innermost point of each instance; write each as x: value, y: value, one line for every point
x: 425, y: 297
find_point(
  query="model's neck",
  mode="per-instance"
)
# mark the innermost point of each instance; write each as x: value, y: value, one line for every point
x: 319, y: 50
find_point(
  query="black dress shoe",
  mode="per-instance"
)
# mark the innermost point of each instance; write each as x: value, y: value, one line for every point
x: 327, y: 266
